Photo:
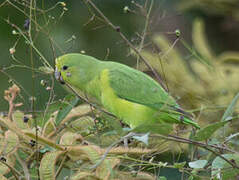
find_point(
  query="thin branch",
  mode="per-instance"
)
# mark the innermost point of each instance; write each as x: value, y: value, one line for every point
x: 145, y: 29
x: 15, y: 173
x: 117, y: 29
x: 61, y: 165
x: 110, y: 147
x: 66, y: 122
x: 24, y: 166
x: 31, y: 46
x: 202, y: 145
x: 85, y: 100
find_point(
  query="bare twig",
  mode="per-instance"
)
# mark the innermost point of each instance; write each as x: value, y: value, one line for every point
x: 31, y: 47
x: 145, y: 30
x: 189, y: 141
x: 110, y: 147
x: 202, y: 145
x: 117, y: 29
x: 15, y: 173
x: 85, y: 100
x: 24, y: 166
x: 64, y: 125
x: 61, y: 165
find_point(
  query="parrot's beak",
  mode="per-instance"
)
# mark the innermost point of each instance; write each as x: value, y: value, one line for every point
x: 58, y: 76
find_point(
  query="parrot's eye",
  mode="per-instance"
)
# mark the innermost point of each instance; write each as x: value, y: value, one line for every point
x: 65, y: 67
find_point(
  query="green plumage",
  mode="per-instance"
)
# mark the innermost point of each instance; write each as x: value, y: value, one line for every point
x: 129, y: 94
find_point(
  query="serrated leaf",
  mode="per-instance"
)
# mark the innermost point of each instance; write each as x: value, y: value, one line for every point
x: 49, y: 127
x: 198, y: 164
x: 223, y: 169
x: 18, y: 119
x: 47, y: 166
x: 105, y: 169
x: 68, y: 138
x: 230, y: 109
x: 206, y: 132
x: 83, y: 125
x: 81, y: 175
x: 69, y: 102
x: 10, y: 144
x: 88, y: 153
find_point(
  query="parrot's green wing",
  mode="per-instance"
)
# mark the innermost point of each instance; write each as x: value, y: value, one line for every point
x: 137, y: 87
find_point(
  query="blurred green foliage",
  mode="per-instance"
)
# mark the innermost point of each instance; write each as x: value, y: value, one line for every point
x: 211, y: 83
x: 72, y: 30
x: 216, y: 7
x: 202, y: 76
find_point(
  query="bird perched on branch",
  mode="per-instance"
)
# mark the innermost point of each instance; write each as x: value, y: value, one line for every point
x: 131, y: 95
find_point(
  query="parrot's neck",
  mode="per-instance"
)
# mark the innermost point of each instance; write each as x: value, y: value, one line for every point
x: 87, y: 77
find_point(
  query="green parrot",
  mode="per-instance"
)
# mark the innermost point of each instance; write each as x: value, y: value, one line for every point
x: 129, y: 94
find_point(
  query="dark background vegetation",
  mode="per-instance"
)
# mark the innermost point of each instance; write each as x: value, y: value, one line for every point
x: 101, y: 41
x: 75, y: 29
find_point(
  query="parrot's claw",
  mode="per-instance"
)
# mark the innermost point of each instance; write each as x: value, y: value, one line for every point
x: 126, y: 142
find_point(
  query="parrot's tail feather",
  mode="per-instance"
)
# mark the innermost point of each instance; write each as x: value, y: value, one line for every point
x: 188, y: 121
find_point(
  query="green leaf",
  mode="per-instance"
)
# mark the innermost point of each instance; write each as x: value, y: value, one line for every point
x: 84, y: 175
x: 206, y: 132
x: 82, y: 125
x: 230, y: 109
x: 48, y: 165
x: 11, y: 143
x: 105, y: 169
x: 213, y: 141
x: 197, y: 164
x: 69, y: 102
x: 179, y: 165
x: 221, y: 168
x: 46, y: 149
x: 162, y: 178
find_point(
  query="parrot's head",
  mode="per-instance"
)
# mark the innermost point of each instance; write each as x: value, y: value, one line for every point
x: 75, y: 69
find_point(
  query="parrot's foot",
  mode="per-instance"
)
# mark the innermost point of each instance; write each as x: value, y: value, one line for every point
x: 126, y: 142
x: 131, y: 134
x: 126, y: 138
x: 138, y: 136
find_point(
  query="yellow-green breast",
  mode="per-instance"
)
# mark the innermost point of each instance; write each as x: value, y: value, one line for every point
x: 131, y: 113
